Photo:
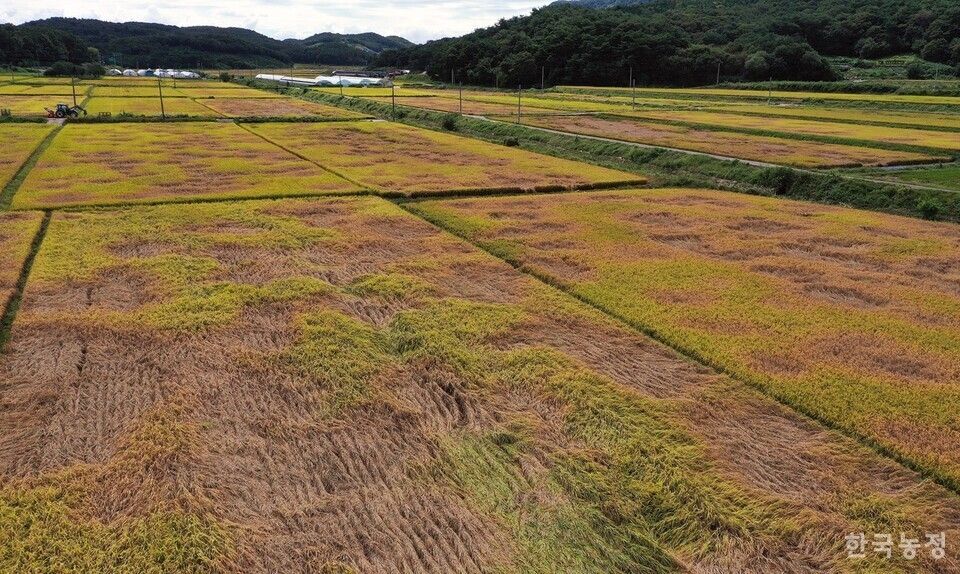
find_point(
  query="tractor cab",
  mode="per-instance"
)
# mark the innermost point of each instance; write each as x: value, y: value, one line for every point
x: 65, y: 111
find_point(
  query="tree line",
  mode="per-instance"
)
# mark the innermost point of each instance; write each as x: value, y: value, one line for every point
x: 688, y: 42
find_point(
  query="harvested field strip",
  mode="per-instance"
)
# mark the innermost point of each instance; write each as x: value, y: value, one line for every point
x: 17, y: 143
x: 17, y: 234
x: 851, y: 317
x: 276, y: 107
x: 764, y: 94
x: 395, y: 159
x: 796, y: 153
x: 860, y: 133
x: 293, y: 386
x: 103, y: 164
x: 147, y: 106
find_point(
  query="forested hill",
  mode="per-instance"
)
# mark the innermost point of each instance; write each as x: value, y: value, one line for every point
x: 153, y: 45
x: 683, y: 41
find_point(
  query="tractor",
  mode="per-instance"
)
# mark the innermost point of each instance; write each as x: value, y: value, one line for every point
x: 65, y: 111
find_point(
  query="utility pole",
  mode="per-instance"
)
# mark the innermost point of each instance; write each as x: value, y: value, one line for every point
x: 461, y: 97
x: 163, y: 113
x: 633, y: 94
x: 543, y: 75
x: 340, y: 81
x: 718, y: 73
x: 519, y: 92
x: 73, y: 88
x: 451, y: 77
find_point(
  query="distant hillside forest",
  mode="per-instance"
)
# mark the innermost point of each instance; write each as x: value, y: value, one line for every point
x: 136, y: 44
x: 682, y: 42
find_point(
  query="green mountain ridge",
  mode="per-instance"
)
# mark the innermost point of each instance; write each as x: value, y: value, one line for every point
x: 142, y: 44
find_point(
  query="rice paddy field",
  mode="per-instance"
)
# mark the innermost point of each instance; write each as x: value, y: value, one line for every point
x: 17, y: 142
x: 949, y: 141
x: 97, y: 164
x: 854, y: 318
x: 308, y: 369
x: 276, y: 107
x: 218, y: 92
x: 722, y: 93
x: 797, y: 153
x: 401, y: 160
x: 288, y: 337
x: 147, y: 106
x: 17, y: 231
x: 444, y: 104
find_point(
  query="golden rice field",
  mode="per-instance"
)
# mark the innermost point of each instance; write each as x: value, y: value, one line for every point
x: 334, y: 385
x: 135, y: 91
x: 147, y: 106
x: 931, y: 120
x: 533, y: 104
x: 396, y: 159
x: 49, y: 90
x: 102, y: 164
x: 17, y: 231
x: 372, y: 92
x: 276, y: 107
x: 853, y: 317
x: 272, y: 347
x: 27, y: 105
x: 769, y: 149
x: 880, y: 134
x: 812, y: 111
x: 453, y: 105
x: 235, y: 92
x: 17, y: 142
x: 774, y: 94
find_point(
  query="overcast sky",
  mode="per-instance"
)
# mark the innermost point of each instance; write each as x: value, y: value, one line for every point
x: 417, y: 20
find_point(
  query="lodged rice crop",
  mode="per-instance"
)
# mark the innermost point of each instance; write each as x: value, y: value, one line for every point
x: 276, y: 107
x: 118, y: 163
x: 142, y: 106
x: 880, y: 134
x: 850, y: 316
x: 335, y: 385
x: 769, y: 149
x: 403, y: 160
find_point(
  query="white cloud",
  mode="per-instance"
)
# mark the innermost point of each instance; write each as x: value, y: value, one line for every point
x: 417, y: 20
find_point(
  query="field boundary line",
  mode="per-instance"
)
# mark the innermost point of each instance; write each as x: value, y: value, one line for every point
x: 83, y: 207
x: 305, y: 158
x: 13, y: 185
x: 949, y: 483
x: 12, y: 305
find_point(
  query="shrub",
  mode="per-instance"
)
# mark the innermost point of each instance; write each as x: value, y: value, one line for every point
x: 225, y: 76
x: 449, y: 122
x: 511, y: 142
x: 929, y: 208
